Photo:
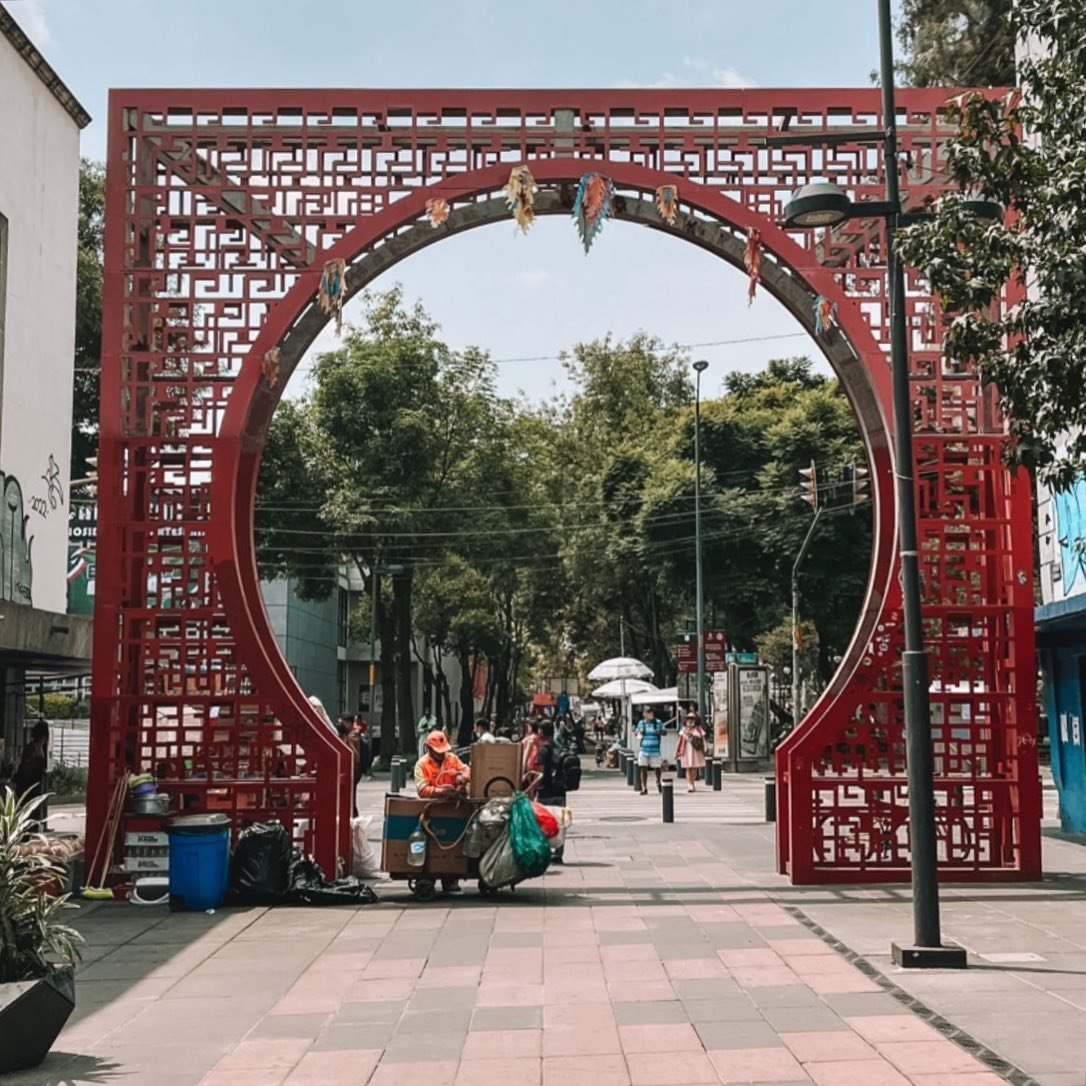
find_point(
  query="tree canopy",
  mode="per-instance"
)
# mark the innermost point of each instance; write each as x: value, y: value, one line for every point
x: 1028, y: 153
x: 956, y: 43
x: 88, y: 315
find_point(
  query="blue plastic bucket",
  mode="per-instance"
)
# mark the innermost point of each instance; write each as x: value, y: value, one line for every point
x: 199, y: 861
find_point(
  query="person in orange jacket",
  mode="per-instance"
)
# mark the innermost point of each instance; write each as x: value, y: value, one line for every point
x: 439, y: 772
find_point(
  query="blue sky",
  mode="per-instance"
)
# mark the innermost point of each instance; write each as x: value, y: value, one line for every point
x: 525, y: 296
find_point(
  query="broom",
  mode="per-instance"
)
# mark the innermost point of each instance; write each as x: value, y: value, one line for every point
x: 108, y: 837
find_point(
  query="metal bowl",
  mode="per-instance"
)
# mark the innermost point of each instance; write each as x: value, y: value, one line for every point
x: 157, y: 804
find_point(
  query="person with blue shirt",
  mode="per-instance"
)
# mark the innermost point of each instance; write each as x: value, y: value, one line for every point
x: 649, y: 730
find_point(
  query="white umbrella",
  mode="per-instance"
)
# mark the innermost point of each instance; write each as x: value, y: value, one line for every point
x: 620, y: 667
x: 621, y: 688
x: 657, y: 697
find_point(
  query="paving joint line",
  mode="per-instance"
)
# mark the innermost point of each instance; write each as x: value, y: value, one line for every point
x: 965, y: 1041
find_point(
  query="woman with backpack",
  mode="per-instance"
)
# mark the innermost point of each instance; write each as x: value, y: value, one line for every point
x: 691, y: 750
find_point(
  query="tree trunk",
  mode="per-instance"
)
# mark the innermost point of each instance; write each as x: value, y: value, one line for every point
x: 405, y: 704
x: 467, y: 699
x: 388, y: 682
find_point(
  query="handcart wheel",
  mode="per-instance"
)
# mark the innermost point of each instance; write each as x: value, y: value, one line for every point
x: 423, y: 889
x: 486, y: 890
x: 488, y: 791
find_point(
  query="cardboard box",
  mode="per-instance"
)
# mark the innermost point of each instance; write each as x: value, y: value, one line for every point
x: 448, y: 819
x: 495, y: 769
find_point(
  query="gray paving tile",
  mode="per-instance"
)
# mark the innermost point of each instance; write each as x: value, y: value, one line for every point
x: 289, y: 1025
x: 488, y: 1018
x: 675, y: 950
x: 649, y: 1013
x: 709, y: 988
x: 737, y: 1008
x: 441, y: 999
x: 786, y: 995
x: 803, y: 1019
x: 855, y: 1004
x: 417, y: 1047
x: 441, y: 1020
x: 619, y: 938
x: 378, y: 1011
x: 738, y: 1034
x: 732, y: 936
x: 344, y: 1036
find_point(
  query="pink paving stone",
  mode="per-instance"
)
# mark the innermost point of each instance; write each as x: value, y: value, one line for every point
x: 927, y: 1057
x: 572, y: 955
x: 959, y: 1078
x: 334, y: 1068
x: 856, y: 1073
x: 659, y: 1037
x: 670, y: 1069
x: 525, y: 1072
x: 835, y: 983
x: 263, y: 1077
x: 431, y: 1072
x: 769, y: 977
x: 627, y: 952
x: 581, y: 1041
x: 757, y: 1065
x: 503, y: 1044
x: 805, y: 965
x: 585, y: 1071
x: 825, y: 1045
x: 274, y: 1054
x: 508, y: 995
x: 892, y: 1027
x: 750, y: 958
x: 591, y: 1015
x: 652, y: 991
x: 795, y: 947
x: 575, y: 991
x: 393, y: 968
x: 515, y: 957
x: 569, y: 938
x: 638, y: 970
x: 696, y: 969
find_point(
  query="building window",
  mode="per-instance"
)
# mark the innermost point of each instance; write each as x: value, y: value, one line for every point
x: 344, y: 612
x: 3, y: 295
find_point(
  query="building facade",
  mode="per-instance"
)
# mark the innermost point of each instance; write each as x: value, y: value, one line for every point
x: 40, y: 122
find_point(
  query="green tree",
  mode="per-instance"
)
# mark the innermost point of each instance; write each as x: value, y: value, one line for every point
x: 1034, y: 351
x: 88, y: 315
x: 956, y: 43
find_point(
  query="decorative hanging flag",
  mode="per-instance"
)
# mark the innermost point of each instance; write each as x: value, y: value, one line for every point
x: 333, y: 285
x: 752, y: 261
x: 270, y: 367
x: 520, y: 196
x: 667, y: 203
x: 592, y: 208
x: 437, y: 211
x: 825, y: 314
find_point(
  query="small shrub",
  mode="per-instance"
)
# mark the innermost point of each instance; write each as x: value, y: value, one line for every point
x: 68, y: 780
x: 55, y: 706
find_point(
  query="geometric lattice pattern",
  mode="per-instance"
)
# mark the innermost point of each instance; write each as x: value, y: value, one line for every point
x: 222, y: 209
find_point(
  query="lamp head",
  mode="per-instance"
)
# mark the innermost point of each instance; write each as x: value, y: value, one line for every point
x: 701, y: 365
x: 978, y: 206
x: 821, y: 203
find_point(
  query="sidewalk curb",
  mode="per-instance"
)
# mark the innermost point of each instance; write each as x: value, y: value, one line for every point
x: 965, y: 1041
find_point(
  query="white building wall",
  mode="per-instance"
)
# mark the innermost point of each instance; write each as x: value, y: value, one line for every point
x: 39, y: 197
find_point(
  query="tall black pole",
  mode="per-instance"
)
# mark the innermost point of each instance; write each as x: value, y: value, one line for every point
x: 699, y: 610
x: 914, y: 660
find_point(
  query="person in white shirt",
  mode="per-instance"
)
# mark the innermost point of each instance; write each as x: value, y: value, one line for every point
x: 483, y: 734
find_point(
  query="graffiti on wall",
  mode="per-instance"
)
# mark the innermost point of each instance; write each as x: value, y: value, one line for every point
x: 1069, y: 508
x: 16, y: 570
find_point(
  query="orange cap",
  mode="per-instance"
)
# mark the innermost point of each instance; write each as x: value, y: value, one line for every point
x: 438, y: 741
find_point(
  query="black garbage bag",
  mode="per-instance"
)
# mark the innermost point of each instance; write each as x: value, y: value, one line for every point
x: 308, y: 886
x: 260, y: 866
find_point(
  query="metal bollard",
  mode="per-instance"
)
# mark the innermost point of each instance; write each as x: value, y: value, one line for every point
x: 622, y: 756
x: 667, y: 797
x: 706, y: 773
x: 718, y: 773
x: 771, y: 799
x: 631, y: 772
x: 395, y: 782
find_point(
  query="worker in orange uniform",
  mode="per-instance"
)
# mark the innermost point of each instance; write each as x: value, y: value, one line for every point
x: 439, y: 772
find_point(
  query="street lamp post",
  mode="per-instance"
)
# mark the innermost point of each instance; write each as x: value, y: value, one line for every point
x: 824, y: 204
x: 699, y: 610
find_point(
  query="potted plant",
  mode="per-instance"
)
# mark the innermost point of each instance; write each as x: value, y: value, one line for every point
x: 38, y: 950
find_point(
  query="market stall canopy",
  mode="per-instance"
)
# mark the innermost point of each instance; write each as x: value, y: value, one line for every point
x: 619, y: 667
x: 622, y: 688
x: 588, y: 708
x: 657, y: 697
x: 542, y: 699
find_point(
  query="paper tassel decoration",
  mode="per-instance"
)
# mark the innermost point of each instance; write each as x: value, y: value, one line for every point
x: 592, y: 208
x: 520, y: 196
x: 270, y: 367
x: 752, y: 261
x: 333, y: 286
x: 825, y: 313
x: 667, y: 203
x: 437, y: 211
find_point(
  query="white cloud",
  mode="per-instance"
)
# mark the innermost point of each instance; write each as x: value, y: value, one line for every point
x: 30, y: 15
x: 699, y: 76
x: 533, y: 277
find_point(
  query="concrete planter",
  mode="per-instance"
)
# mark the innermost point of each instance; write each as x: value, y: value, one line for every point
x: 32, y: 1014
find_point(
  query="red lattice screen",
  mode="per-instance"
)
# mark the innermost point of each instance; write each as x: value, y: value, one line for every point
x: 223, y: 207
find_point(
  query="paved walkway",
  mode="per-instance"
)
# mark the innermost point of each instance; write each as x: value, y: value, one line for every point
x: 659, y: 955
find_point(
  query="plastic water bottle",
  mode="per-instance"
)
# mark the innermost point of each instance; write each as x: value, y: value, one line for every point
x: 416, y: 847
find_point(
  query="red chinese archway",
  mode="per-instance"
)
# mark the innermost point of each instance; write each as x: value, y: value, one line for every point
x: 223, y: 208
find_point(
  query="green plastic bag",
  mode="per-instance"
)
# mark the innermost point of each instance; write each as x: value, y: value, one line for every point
x: 531, y: 849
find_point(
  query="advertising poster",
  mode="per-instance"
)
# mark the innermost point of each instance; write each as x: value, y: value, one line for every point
x: 753, y: 706
x: 82, y: 528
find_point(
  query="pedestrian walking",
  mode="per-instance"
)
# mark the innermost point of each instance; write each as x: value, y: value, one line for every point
x: 427, y: 724
x: 649, y: 731
x: 552, y: 782
x: 691, y: 750
x: 529, y: 745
